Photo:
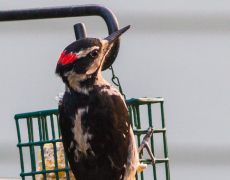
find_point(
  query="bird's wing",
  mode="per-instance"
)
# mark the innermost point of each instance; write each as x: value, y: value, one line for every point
x: 119, y: 135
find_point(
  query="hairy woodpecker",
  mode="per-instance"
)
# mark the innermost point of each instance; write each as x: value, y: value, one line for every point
x: 94, y: 122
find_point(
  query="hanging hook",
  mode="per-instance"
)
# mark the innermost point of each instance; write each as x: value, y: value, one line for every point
x: 69, y: 11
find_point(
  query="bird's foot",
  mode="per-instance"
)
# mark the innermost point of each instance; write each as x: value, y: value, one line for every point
x: 59, y: 98
x: 145, y: 144
x: 141, y: 167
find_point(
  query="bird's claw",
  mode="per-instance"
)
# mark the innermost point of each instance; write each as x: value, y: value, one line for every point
x: 145, y: 144
x: 59, y: 98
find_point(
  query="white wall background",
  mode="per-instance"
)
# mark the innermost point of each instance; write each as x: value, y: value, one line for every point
x: 176, y: 49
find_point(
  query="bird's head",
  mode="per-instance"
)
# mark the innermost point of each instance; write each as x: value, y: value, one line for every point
x: 82, y: 60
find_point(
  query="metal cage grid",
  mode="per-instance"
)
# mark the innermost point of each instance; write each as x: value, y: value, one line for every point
x: 36, y: 129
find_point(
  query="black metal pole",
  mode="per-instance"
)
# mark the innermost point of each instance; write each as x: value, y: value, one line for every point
x: 71, y: 11
x: 80, y: 31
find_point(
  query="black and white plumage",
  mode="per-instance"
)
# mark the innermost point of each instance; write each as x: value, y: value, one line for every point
x: 94, y: 122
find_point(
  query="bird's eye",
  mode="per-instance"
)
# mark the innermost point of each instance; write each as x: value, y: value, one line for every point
x: 93, y: 53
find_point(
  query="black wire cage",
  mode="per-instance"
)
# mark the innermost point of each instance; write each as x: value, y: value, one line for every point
x: 42, y: 144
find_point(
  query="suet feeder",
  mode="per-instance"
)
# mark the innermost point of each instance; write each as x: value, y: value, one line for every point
x: 42, y: 144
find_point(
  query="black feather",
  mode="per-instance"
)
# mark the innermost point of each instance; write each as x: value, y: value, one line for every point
x: 106, y: 120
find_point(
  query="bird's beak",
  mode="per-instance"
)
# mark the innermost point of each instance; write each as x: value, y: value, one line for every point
x: 109, y: 41
x: 114, y: 36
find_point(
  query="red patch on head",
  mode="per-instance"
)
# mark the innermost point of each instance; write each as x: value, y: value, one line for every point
x: 67, y: 58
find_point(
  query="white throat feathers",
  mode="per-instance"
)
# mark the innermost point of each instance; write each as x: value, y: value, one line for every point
x: 75, y: 79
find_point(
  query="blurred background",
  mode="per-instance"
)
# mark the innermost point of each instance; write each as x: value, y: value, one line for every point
x: 175, y: 49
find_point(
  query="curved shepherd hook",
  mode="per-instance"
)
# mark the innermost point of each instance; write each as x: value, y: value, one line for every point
x: 71, y: 11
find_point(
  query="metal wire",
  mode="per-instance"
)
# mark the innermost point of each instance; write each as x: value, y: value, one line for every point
x: 116, y: 81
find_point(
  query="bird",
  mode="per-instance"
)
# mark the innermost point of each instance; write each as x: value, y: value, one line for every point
x: 96, y: 132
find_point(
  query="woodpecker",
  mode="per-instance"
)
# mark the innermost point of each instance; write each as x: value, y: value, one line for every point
x: 97, y: 136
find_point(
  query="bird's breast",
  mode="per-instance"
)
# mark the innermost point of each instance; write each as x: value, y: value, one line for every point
x: 99, y: 126
x: 81, y: 134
